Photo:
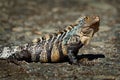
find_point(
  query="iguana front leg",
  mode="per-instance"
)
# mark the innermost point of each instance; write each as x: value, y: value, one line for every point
x: 72, y: 58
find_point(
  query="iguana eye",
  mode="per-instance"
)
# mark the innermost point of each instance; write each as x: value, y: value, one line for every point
x: 87, y: 17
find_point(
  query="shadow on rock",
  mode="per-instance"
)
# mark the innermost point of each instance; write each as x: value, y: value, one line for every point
x: 90, y: 56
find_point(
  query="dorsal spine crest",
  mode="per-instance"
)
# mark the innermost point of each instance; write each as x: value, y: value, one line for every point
x: 64, y: 35
x: 73, y: 29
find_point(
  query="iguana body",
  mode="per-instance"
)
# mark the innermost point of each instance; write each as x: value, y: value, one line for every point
x: 56, y: 47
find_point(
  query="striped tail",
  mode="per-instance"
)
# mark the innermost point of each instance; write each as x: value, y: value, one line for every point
x: 6, y: 52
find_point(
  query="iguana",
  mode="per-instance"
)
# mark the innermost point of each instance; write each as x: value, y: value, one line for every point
x: 56, y: 47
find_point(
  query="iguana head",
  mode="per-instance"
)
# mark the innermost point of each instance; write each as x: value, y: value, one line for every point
x: 89, y: 28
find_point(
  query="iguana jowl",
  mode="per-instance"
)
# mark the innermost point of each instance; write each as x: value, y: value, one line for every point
x: 56, y: 47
